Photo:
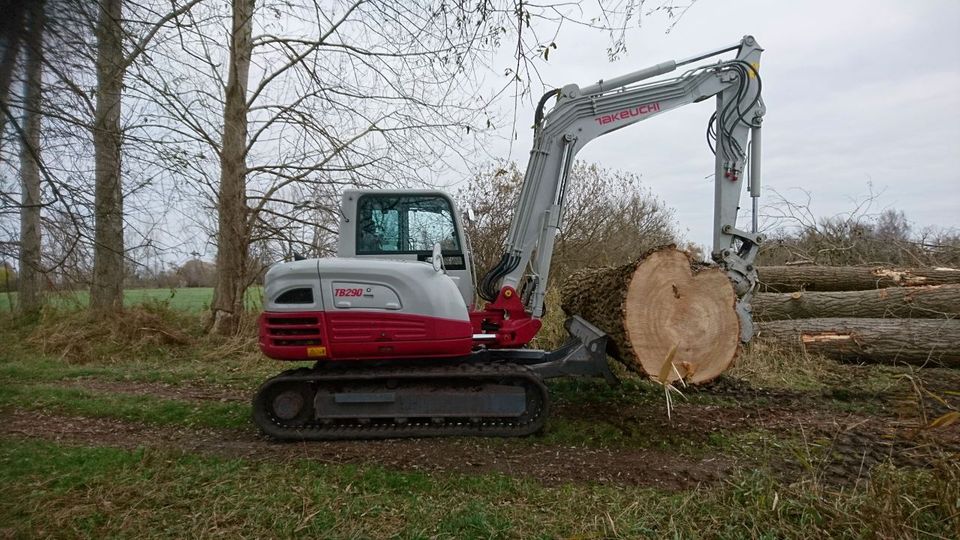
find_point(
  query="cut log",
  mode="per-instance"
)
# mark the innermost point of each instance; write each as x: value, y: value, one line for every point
x: 931, y: 302
x: 658, y: 304
x: 913, y: 341
x: 850, y: 278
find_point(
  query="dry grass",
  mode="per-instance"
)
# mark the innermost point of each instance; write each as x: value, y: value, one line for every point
x: 766, y: 365
x: 78, y: 336
x: 151, y: 329
x: 101, y: 492
x: 552, y: 334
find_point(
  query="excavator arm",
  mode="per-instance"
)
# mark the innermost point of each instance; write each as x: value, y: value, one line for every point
x: 580, y: 115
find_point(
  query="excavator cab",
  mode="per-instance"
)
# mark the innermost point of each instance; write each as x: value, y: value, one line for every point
x: 405, y: 225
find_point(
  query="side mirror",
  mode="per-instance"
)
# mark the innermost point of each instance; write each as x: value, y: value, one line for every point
x: 437, y: 258
x: 471, y: 217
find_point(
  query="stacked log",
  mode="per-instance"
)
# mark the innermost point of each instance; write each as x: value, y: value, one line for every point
x: 931, y: 302
x: 666, y: 308
x: 661, y: 308
x: 883, y: 315
x: 925, y: 342
x: 850, y: 278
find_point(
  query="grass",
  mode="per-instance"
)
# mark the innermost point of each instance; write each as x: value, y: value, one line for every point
x: 63, y: 490
x: 66, y: 491
x: 133, y: 408
x: 194, y: 300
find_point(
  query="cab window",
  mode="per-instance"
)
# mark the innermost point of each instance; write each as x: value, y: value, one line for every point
x: 405, y: 224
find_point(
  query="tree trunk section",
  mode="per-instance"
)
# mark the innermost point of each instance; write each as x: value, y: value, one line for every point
x: 232, y: 233
x: 106, y: 293
x: 930, y: 302
x: 11, y: 33
x: 658, y: 304
x: 29, y: 299
x: 914, y: 341
x: 850, y: 278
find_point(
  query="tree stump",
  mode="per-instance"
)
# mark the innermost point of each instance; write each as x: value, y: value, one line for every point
x: 661, y: 306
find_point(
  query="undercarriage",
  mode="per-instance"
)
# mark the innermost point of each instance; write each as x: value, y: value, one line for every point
x: 498, y: 393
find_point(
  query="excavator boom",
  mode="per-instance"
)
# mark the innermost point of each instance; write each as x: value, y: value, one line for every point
x: 581, y: 115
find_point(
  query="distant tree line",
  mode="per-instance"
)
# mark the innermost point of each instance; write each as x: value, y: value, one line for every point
x: 858, y: 236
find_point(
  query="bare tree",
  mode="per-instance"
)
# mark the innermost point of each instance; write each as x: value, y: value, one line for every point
x: 112, y: 63
x: 862, y: 235
x: 107, y: 289
x: 11, y: 33
x: 29, y: 298
x: 334, y: 94
x: 233, y: 238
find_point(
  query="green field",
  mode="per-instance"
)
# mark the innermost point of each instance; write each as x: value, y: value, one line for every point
x: 137, y: 425
x: 193, y: 299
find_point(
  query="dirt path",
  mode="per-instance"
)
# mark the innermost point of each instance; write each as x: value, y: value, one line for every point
x: 548, y: 464
x: 837, y: 446
x: 182, y: 392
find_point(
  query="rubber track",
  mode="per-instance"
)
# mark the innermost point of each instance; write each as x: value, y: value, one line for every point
x: 474, y: 372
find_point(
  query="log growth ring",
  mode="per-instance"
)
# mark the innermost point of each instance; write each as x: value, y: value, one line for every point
x: 667, y: 304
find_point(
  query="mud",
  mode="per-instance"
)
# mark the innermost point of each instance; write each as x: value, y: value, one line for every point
x: 181, y: 392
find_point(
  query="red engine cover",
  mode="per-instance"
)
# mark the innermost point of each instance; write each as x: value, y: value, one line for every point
x: 359, y: 335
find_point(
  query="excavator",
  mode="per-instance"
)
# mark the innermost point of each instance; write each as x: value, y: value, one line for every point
x: 401, y: 346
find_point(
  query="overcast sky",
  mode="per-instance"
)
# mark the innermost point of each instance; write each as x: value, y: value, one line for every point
x: 856, y: 92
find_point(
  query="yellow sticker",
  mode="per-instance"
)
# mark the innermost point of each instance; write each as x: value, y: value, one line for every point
x: 314, y: 352
x: 753, y: 72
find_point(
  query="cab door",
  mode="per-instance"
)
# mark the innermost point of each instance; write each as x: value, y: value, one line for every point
x: 405, y: 225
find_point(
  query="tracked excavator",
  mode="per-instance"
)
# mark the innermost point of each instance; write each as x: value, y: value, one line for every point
x: 401, y: 347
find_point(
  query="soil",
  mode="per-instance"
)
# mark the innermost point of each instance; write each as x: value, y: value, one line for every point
x: 180, y: 392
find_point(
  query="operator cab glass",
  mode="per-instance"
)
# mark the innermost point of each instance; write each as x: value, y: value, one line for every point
x: 391, y: 224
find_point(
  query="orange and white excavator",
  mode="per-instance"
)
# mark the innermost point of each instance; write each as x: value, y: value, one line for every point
x: 402, y: 348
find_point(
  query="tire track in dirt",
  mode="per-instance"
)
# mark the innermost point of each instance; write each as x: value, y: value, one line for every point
x: 841, y: 446
x: 547, y: 464
x: 182, y: 392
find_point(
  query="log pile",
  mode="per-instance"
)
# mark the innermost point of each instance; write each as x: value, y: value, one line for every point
x: 666, y: 308
x: 862, y: 314
x: 660, y: 308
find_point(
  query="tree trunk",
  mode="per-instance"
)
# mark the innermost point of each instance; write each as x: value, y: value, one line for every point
x: 107, y: 290
x: 931, y: 302
x: 658, y: 304
x: 31, y: 279
x: 913, y: 341
x: 233, y: 237
x: 850, y: 278
x: 11, y: 33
